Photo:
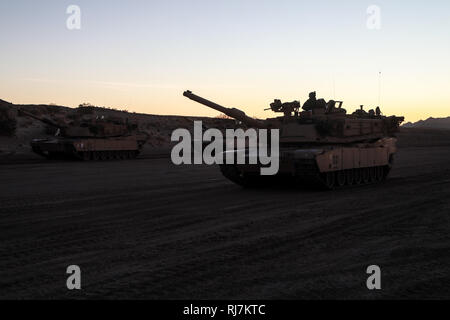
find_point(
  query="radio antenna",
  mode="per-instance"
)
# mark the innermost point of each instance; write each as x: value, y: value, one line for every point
x: 379, y: 88
x: 334, y: 88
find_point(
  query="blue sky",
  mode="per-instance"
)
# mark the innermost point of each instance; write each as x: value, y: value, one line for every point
x: 142, y: 54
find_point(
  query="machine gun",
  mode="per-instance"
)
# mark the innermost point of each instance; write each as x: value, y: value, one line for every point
x: 287, y: 107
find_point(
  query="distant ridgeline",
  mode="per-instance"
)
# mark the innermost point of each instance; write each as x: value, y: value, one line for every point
x: 430, y: 123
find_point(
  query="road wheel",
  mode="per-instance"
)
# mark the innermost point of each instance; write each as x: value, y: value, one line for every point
x: 357, y: 176
x: 365, y: 175
x: 340, y: 178
x: 329, y: 180
x: 96, y: 155
x: 372, y: 174
x: 386, y: 171
x: 349, y: 177
x: 103, y: 155
x: 379, y: 173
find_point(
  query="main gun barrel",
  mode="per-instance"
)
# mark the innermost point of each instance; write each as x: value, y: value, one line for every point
x: 231, y: 112
x: 42, y: 119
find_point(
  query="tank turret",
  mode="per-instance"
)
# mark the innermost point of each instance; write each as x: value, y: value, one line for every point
x: 321, y: 123
x: 85, y: 128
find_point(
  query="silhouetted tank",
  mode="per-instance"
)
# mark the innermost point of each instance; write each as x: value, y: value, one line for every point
x: 90, y: 140
x: 321, y: 144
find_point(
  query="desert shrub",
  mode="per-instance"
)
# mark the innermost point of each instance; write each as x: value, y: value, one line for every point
x: 8, y: 122
x: 86, y: 108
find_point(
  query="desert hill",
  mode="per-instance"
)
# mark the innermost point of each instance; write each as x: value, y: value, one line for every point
x: 431, y: 123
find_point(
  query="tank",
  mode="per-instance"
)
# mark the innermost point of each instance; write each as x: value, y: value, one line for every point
x: 95, y: 139
x: 320, y: 143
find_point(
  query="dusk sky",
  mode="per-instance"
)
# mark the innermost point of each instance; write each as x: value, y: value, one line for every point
x: 141, y: 55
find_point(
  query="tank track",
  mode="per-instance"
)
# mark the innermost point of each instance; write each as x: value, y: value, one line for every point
x: 89, y: 155
x: 307, y: 174
x: 353, y: 177
x: 106, y: 155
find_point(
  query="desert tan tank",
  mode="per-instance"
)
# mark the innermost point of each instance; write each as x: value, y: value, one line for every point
x: 320, y: 144
x: 89, y: 140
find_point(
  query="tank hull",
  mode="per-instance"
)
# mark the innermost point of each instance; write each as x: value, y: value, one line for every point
x: 326, y: 166
x: 88, y: 148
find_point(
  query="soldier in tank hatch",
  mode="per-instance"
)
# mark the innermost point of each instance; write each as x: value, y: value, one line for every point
x: 312, y: 103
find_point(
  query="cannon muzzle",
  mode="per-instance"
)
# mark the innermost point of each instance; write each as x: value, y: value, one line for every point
x: 231, y: 112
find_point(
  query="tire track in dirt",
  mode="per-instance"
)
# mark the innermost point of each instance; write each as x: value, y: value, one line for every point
x: 157, y: 231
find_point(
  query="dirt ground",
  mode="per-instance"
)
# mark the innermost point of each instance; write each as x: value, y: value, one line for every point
x: 147, y: 229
